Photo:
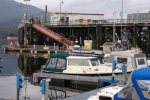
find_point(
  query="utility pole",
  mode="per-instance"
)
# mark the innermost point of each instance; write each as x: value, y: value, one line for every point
x: 121, y: 14
x: 45, y: 13
x: 61, y: 2
x: 122, y: 10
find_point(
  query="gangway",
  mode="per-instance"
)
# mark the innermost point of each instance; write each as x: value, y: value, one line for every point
x: 51, y: 34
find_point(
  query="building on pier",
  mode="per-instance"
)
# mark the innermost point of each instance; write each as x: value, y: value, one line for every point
x: 139, y: 17
x: 74, y: 18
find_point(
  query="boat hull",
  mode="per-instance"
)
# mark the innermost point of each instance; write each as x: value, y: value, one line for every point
x: 88, y: 73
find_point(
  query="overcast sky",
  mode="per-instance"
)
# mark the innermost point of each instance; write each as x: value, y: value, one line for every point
x: 106, y: 7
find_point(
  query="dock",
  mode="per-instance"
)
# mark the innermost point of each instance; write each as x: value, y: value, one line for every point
x: 67, y: 77
x: 80, y: 78
x: 74, y: 85
x: 85, y: 78
x: 30, y: 49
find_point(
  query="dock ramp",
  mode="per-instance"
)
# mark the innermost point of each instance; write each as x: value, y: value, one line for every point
x: 53, y: 35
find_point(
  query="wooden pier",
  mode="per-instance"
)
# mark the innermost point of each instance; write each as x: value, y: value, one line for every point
x: 136, y: 34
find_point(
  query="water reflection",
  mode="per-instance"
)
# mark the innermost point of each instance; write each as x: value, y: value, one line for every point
x: 0, y: 62
x: 28, y: 64
x: 11, y: 65
x: 1, y: 69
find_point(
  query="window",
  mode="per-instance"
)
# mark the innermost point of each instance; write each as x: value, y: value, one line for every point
x: 94, y: 62
x: 128, y: 91
x: 121, y: 60
x: 144, y: 87
x: 101, y: 60
x: 52, y: 63
x: 72, y: 62
x: 141, y: 62
x: 83, y: 62
x: 61, y: 63
x: 78, y: 62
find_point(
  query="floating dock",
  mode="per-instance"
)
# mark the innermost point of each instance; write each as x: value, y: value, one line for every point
x: 74, y: 85
x: 80, y: 78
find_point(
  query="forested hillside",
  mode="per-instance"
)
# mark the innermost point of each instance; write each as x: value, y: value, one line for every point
x: 11, y: 13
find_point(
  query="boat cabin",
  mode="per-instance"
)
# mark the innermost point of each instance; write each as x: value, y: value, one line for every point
x: 133, y: 60
x: 82, y: 61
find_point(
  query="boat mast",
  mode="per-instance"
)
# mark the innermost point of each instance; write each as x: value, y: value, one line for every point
x: 114, y: 30
x: 121, y: 17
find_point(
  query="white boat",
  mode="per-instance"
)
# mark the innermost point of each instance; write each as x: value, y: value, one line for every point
x: 78, y: 51
x: 136, y: 89
x: 97, y: 53
x: 106, y: 93
x: 83, y: 65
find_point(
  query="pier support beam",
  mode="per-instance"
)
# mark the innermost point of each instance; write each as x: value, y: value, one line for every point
x: 21, y: 36
x: 98, y: 38
x: 148, y: 43
x: 30, y: 37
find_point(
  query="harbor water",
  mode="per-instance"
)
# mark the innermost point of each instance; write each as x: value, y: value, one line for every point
x: 27, y: 64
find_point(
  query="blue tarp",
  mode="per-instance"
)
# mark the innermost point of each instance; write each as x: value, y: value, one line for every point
x: 141, y: 74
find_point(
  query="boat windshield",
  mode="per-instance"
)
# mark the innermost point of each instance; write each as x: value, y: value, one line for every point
x: 129, y: 91
x: 78, y: 62
x: 94, y: 62
x: 56, y: 63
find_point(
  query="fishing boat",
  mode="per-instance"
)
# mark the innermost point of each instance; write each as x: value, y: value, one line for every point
x: 136, y: 89
x: 89, y: 65
x: 11, y: 37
